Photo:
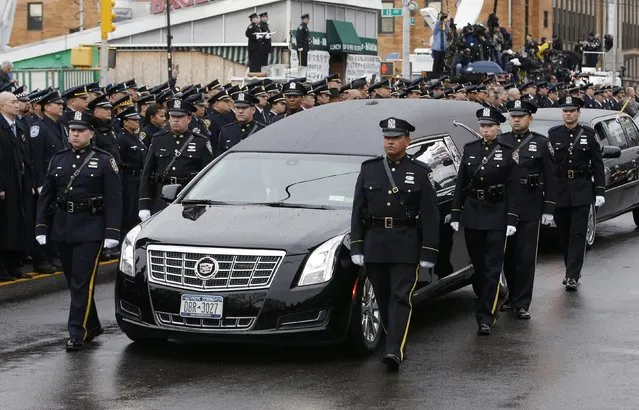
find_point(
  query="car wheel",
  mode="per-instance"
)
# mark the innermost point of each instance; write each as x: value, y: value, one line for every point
x: 365, y: 331
x: 635, y: 216
x: 591, y: 230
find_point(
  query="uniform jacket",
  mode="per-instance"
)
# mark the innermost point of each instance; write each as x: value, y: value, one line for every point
x: 217, y: 122
x: 132, y: 151
x: 99, y: 178
x: 163, y: 149
x: 106, y: 139
x: 535, y: 165
x: 589, y: 102
x: 254, y: 44
x: 487, y: 214
x: 234, y: 133
x: 17, y: 182
x: 286, y: 114
x: 147, y: 132
x: 374, y: 198
x: 200, y: 126
x: 585, y: 156
x: 266, y: 45
x: 302, y: 37
x: 47, y: 139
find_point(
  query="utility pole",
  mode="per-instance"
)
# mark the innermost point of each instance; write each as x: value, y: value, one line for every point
x: 81, y: 15
x: 614, y: 32
x: 169, y: 49
x: 406, y: 39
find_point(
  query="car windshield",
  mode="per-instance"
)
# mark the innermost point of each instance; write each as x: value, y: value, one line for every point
x: 279, y: 179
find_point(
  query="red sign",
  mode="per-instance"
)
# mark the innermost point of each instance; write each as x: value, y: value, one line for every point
x: 158, y: 6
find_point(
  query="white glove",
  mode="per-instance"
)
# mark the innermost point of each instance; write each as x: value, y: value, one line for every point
x: 41, y: 239
x: 39, y: 190
x: 358, y: 260
x: 546, y: 219
x: 599, y: 201
x: 144, y: 214
x: 455, y: 226
x: 300, y: 49
x: 447, y: 218
x: 267, y: 36
x: 110, y: 243
x: 426, y: 264
x: 510, y: 230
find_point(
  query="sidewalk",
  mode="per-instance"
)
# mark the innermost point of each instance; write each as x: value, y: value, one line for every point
x: 43, y: 284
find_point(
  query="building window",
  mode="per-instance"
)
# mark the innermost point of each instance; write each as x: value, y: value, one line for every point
x: 387, y: 24
x: 34, y: 16
x: 545, y: 18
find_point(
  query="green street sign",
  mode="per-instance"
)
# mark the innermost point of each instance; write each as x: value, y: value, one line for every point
x: 391, y: 12
x: 412, y: 21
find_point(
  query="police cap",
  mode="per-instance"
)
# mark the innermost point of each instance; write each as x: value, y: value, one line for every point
x: 278, y: 98
x: 244, y: 100
x: 293, y: 89
x: 53, y: 97
x: 82, y: 121
x: 21, y: 93
x: 258, y: 91
x: 264, y: 14
x: 521, y: 107
x: 305, y: 16
x: 130, y: 113
x: 221, y: 96
x: 179, y: 108
x: 146, y: 99
x: 380, y: 84
x: 572, y: 103
x: 489, y: 116
x: 101, y: 101
x: 395, y: 127
x: 252, y: 16
x: 164, y: 96
x: 73, y: 92
x: 125, y: 101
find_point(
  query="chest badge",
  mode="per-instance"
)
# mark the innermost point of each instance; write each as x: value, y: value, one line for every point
x: 532, y: 147
x: 409, y: 178
x: 516, y: 156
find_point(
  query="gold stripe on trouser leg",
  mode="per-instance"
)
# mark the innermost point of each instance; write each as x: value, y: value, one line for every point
x: 91, y: 283
x: 410, y: 312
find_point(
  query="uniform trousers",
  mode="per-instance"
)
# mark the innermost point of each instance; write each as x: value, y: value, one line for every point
x: 394, y: 284
x: 486, y: 251
x: 80, y: 263
x: 255, y: 60
x: 130, y: 202
x: 519, y: 263
x: 303, y: 57
x: 572, y: 224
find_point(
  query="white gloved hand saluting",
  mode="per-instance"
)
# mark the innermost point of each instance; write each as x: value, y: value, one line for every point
x: 455, y: 226
x: 110, y: 243
x: 358, y: 260
x: 426, y: 264
x: 41, y: 239
x: 144, y: 214
x: 547, y: 219
x: 599, y: 201
x: 510, y: 230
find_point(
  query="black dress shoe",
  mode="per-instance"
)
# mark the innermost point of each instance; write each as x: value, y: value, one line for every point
x: 44, y: 269
x: 73, y: 345
x: 507, y: 306
x: 93, y: 334
x: 571, y: 285
x: 483, y: 329
x: 16, y: 274
x: 522, y: 313
x: 392, y: 362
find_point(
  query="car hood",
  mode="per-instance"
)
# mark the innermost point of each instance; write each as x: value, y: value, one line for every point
x: 257, y: 227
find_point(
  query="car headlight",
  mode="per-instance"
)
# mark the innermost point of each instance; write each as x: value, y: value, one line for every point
x: 321, y: 264
x: 127, y: 255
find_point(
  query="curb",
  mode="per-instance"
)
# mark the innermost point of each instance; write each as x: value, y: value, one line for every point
x: 39, y: 285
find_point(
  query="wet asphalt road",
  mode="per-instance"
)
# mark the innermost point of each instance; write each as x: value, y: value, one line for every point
x: 580, y: 350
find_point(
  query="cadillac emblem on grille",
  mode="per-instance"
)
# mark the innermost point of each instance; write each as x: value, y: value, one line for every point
x: 206, y: 268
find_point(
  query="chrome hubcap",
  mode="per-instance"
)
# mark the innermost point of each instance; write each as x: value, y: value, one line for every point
x: 370, y: 313
x: 590, y: 231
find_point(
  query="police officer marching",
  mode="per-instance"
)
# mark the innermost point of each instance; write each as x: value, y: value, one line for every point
x: 175, y: 156
x: 578, y: 161
x: 485, y: 204
x: 537, y: 192
x: 394, y: 231
x: 133, y: 153
x: 80, y: 210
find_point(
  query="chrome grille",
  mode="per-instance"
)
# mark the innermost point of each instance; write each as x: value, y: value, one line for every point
x: 238, y: 268
x: 172, y: 319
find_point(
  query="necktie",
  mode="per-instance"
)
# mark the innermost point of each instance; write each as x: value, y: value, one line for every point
x: 13, y: 128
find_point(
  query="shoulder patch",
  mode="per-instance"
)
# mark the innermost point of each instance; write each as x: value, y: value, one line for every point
x: 372, y: 160
x: 35, y: 131
x: 142, y: 135
x: 114, y: 165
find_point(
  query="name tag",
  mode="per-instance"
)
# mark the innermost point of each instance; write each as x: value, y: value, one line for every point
x: 583, y: 141
x: 532, y: 148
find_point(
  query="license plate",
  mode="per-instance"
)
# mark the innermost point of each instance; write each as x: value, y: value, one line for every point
x: 208, y: 307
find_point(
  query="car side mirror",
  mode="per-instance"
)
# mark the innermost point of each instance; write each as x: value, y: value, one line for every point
x: 170, y: 192
x: 609, y: 151
x: 447, y: 162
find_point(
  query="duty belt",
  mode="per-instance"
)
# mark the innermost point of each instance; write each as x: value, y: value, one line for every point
x: 577, y: 173
x: 491, y: 193
x: 93, y: 206
x: 390, y: 222
x: 532, y: 180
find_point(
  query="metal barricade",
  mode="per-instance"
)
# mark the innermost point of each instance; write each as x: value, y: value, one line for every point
x: 61, y: 78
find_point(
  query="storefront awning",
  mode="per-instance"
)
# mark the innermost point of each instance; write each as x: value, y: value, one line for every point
x: 342, y: 37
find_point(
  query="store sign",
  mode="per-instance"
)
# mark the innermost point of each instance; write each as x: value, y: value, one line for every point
x: 318, y: 42
x: 159, y: 6
x: 360, y: 65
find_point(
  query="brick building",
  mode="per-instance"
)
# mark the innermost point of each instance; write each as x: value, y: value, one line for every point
x: 37, y: 20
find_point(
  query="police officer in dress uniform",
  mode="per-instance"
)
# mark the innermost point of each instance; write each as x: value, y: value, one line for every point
x: 394, y: 230
x: 537, y: 192
x: 47, y: 134
x: 199, y: 123
x: 133, y: 154
x: 485, y: 204
x: 266, y: 45
x: 105, y: 136
x: 80, y: 209
x: 294, y: 93
x: 244, y: 127
x: 302, y: 38
x: 255, y: 44
x: 220, y: 115
x: 155, y: 120
x: 578, y: 159
x: 175, y: 156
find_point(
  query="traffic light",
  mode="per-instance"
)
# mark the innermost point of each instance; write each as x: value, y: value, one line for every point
x: 387, y: 69
x: 106, y: 17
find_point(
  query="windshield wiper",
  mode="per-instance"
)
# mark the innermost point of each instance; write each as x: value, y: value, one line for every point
x: 293, y: 205
x: 203, y: 202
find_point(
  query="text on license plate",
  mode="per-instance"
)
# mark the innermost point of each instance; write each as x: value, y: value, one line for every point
x: 209, y: 307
